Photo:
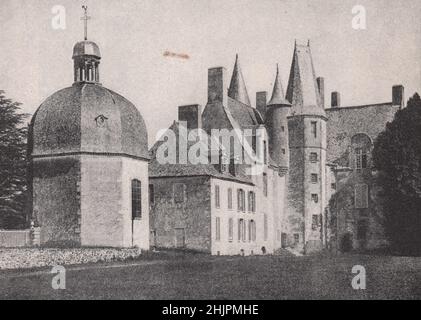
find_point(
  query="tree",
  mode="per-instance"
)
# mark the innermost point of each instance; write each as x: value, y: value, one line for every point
x: 13, y: 165
x: 397, y: 157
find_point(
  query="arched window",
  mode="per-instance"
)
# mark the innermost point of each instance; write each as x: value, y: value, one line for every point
x: 241, y: 230
x: 252, y: 231
x: 229, y: 198
x: 230, y: 229
x: 251, y: 201
x: 136, y: 199
x: 241, y: 200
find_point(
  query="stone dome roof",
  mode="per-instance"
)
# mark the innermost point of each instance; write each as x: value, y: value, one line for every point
x: 88, y: 118
x: 86, y: 47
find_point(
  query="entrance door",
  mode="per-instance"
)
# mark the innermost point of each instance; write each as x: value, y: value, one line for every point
x: 180, y: 237
x: 283, y: 240
x: 153, y: 239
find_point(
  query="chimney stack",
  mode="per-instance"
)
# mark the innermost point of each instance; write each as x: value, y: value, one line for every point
x: 191, y: 114
x: 398, y: 96
x: 217, y: 85
x: 336, y: 99
x: 261, y: 100
x: 321, y: 86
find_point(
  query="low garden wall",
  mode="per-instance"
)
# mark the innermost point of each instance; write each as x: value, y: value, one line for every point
x: 15, y: 238
x: 22, y: 258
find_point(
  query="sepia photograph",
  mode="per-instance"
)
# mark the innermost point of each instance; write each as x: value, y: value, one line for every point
x: 210, y: 155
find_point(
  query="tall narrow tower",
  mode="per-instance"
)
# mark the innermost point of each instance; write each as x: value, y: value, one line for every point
x: 278, y: 109
x: 307, y: 145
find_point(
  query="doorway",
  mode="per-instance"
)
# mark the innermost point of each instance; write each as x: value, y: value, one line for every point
x: 180, y: 238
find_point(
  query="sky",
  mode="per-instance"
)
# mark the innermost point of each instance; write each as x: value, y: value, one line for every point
x: 363, y: 65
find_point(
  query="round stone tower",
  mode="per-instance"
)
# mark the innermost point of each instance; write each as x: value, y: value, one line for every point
x: 278, y: 110
x: 89, y: 159
x: 307, y: 144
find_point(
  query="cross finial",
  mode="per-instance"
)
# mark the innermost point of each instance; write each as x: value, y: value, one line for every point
x: 85, y: 18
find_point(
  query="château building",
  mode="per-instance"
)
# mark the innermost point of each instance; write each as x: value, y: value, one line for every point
x: 308, y: 184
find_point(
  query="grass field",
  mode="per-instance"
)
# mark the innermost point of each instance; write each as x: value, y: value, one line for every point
x: 171, y: 275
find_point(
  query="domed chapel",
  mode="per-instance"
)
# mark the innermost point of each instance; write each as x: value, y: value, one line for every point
x: 89, y: 162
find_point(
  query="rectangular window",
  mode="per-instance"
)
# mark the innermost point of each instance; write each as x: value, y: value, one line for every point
x: 360, y: 159
x: 230, y: 229
x: 361, y: 196
x: 265, y: 227
x: 241, y: 229
x: 265, y: 158
x: 315, y: 221
x: 218, y: 229
x: 314, y: 178
x: 296, y: 238
x: 362, y: 229
x: 313, y: 157
x: 283, y: 151
x: 333, y: 186
x: 229, y: 198
x: 136, y: 199
x: 217, y: 198
x: 315, y: 198
x: 151, y: 194
x: 179, y: 192
x: 265, y: 184
x: 251, y: 201
x: 252, y: 231
x: 282, y: 128
x: 241, y: 200
x: 314, y: 128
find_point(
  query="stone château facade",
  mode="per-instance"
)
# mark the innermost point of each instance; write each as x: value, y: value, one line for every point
x: 95, y: 183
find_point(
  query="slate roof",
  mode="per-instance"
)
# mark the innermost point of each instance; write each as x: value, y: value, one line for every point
x: 237, y: 89
x: 88, y: 118
x: 302, y: 91
x: 243, y: 114
x: 157, y: 169
x: 278, y: 97
x: 86, y: 47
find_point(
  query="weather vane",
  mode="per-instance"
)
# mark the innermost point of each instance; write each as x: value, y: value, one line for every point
x: 85, y: 18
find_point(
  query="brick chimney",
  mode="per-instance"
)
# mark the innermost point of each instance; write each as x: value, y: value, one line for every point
x: 217, y: 85
x: 321, y: 86
x: 261, y: 100
x: 398, y: 96
x: 336, y: 100
x: 191, y: 114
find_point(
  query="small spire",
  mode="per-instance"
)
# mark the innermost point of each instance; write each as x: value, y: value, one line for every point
x: 85, y: 19
x: 278, y: 97
x: 237, y: 89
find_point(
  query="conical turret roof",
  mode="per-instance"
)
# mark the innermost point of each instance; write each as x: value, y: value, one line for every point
x: 237, y: 89
x: 303, y: 92
x: 278, y: 97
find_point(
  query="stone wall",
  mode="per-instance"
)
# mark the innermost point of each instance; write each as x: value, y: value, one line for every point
x: 101, y: 195
x: 106, y: 212
x: 135, y: 169
x: 56, y: 199
x: 192, y: 216
x: 346, y: 129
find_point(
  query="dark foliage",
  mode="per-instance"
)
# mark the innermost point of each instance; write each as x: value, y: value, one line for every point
x: 397, y: 156
x: 13, y: 165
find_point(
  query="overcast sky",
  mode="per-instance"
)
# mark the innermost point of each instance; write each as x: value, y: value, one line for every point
x: 35, y: 59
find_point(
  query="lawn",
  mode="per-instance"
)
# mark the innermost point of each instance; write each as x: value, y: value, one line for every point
x: 196, y: 276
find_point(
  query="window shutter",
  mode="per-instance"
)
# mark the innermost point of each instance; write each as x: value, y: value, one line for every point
x: 361, y: 196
